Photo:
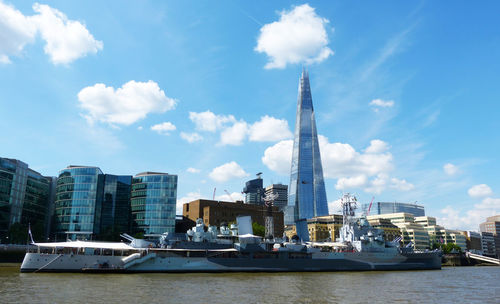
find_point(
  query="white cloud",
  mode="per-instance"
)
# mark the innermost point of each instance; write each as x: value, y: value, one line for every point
x: 401, y: 184
x: 140, y: 128
x: 66, y: 40
x: 16, y: 30
x: 378, y: 184
x: 235, y: 196
x: 369, y: 171
x: 191, y: 137
x: 125, y: 105
x: 4, y: 59
x: 489, y: 203
x: 298, y: 37
x: 450, y: 169
x: 235, y: 132
x: 351, y: 182
x: 270, y: 129
x: 234, y: 135
x: 342, y: 160
x: 163, y: 128
x: 191, y: 196
x: 481, y: 190
x: 208, y: 121
x: 470, y: 219
x: 279, y: 156
x: 377, y: 146
x: 193, y: 170
x: 382, y: 103
x: 227, y: 171
x: 335, y: 207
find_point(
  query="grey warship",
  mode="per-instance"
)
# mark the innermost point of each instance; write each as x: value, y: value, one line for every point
x: 360, y: 247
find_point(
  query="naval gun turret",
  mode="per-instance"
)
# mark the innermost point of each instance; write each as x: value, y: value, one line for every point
x: 357, y: 232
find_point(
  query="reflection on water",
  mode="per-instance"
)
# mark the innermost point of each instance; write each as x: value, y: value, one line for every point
x: 450, y: 285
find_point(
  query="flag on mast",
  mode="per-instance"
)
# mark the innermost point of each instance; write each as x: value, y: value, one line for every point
x: 29, y: 232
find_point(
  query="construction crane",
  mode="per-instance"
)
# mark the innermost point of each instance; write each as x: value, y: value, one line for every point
x: 230, y: 197
x: 213, y: 196
x: 370, y: 207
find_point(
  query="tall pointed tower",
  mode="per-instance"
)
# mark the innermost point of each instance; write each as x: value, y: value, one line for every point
x: 307, y: 195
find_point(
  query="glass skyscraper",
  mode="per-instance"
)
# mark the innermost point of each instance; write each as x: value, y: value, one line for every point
x: 307, y: 195
x: 153, y: 200
x: 24, y: 200
x: 77, y: 211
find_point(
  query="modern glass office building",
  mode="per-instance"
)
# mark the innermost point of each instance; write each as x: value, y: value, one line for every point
x: 90, y: 204
x: 254, y: 192
x: 282, y: 190
x: 393, y: 207
x: 115, y: 208
x: 153, y: 200
x: 24, y: 199
x: 78, y: 202
x: 307, y: 195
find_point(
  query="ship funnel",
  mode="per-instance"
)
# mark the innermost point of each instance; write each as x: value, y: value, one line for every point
x: 244, y: 225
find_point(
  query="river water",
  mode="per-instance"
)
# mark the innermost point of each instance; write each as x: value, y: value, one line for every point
x: 449, y: 285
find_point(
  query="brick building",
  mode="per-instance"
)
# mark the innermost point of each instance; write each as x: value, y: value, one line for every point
x: 216, y: 212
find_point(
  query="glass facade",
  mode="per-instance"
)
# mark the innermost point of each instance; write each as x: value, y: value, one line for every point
x: 78, y: 202
x: 307, y: 195
x: 115, y: 210
x: 153, y: 201
x: 254, y: 192
x: 90, y: 204
x: 24, y: 200
x: 393, y: 207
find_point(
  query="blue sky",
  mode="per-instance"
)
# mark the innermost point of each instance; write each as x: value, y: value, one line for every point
x: 406, y: 94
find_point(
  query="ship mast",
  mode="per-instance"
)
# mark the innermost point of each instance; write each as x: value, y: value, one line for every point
x: 349, y: 205
x: 269, y: 201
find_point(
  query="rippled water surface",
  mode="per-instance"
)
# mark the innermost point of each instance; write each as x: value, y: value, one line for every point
x: 449, y: 285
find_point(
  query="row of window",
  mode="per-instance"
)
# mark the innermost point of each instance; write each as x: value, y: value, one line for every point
x: 76, y: 195
x: 155, y: 179
x: 75, y: 203
x: 81, y: 179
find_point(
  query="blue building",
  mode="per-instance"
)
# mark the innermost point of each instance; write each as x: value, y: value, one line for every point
x: 77, y: 210
x: 254, y: 191
x: 393, y: 207
x: 115, y: 208
x: 24, y: 200
x: 307, y: 195
x: 153, y: 201
x: 90, y: 204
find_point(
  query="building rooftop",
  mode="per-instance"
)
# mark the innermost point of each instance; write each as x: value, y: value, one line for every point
x: 150, y: 173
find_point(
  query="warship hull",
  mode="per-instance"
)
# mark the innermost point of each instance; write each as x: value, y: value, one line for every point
x: 166, y: 261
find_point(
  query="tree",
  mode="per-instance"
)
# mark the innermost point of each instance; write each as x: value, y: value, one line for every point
x: 447, y: 248
x: 258, y: 229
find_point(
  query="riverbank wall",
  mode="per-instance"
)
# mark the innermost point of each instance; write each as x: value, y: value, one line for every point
x: 12, y: 253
